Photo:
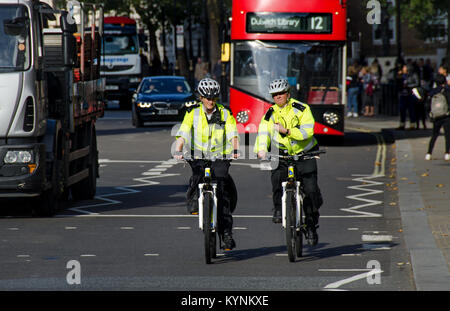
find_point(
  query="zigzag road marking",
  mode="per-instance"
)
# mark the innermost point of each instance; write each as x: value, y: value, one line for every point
x: 143, y: 182
x: 367, y: 182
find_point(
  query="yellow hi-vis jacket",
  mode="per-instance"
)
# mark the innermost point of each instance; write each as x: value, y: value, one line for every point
x: 213, y: 138
x: 294, y: 116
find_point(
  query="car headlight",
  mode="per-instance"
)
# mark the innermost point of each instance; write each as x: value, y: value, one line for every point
x: 144, y: 105
x: 18, y: 156
x: 331, y: 118
x: 135, y: 80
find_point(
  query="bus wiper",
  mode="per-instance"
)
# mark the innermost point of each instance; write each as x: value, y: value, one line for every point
x: 271, y: 46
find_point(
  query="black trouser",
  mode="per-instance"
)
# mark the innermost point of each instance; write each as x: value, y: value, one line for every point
x: 306, y: 173
x: 226, y: 191
x: 407, y: 103
x: 437, y: 124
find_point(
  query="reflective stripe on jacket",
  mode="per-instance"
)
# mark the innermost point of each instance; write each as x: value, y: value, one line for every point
x: 213, y: 138
x: 299, y: 121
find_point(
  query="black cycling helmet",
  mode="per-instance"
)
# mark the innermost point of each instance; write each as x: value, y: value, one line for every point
x: 208, y: 88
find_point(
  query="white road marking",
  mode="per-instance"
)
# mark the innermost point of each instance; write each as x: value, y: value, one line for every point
x: 88, y: 255
x: 184, y: 228
x: 70, y: 228
x: 376, y: 247
x: 126, y: 228
x: 101, y: 161
x: 344, y: 270
x: 151, y: 255
x: 353, y: 279
x: 352, y: 229
x: 376, y: 238
x: 366, y: 182
x: 23, y: 256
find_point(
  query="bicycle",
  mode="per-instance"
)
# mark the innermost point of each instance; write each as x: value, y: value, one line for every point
x: 292, y: 204
x: 207, y: 211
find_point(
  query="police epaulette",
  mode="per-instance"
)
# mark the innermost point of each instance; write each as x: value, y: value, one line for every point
x: 191, y: 105
x: 268, y: 114
x: 299, y: 106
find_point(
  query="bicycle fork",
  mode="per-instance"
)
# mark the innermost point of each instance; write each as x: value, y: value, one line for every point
x: 214, y: 211
x: 298, y: 201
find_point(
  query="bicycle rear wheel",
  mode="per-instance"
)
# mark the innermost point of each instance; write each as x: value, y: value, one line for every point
x: 209, y: 235
x: 290, y: 225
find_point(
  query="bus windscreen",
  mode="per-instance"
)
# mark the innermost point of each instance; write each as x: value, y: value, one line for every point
x: 307, y: 66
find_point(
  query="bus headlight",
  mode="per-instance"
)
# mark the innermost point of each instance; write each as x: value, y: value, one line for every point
x: 331, y: 118
x: 18, y: 156
x: 242, y: 116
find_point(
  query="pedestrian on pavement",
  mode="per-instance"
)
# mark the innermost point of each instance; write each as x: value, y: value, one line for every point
x: 377, y: 72
x: 287, y: 128
x: 352, y: 90
x: 367, y: 80
x: 408, y: 80
x: 209, y: 132
x: 443, y: 87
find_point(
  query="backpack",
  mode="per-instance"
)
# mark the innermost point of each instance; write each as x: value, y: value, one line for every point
x: 439, y: 105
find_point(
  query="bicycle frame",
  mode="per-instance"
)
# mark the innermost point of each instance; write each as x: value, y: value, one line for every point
x: 287, y: 186
x: 213, y: 189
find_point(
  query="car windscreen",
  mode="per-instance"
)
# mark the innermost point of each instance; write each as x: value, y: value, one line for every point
x: 165, y: 86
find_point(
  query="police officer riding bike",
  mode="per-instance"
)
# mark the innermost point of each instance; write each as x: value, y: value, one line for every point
x: 287, y: 129
x: 209, y: 133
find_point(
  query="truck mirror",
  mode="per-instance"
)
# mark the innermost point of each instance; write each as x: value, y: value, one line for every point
x: 68, y: 28
x: 67, y: 23
x: 14, y: 27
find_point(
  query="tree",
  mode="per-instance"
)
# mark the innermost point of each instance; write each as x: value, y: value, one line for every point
x: 418, y: 13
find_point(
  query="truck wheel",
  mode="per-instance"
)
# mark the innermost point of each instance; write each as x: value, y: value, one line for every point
x: 86, y: 189
x: 46, y: 205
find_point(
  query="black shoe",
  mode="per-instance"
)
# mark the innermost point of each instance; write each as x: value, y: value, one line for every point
x: 311, y: 236
x: 276, y: 219
x: 228, y: 241
x: 192, y: 207
x: 400, y: 128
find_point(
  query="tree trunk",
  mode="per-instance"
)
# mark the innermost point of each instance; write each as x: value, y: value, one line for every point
x: 214, y: 19
x: 448, y: 37
x: 155, y: 58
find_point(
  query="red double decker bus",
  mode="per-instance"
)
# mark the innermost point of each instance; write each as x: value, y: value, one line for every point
x: 301, y: 41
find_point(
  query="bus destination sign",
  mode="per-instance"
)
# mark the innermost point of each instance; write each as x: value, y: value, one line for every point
x: 272, y: 22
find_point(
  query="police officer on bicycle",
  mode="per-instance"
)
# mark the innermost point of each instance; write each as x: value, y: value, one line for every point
x: 209, y: 132
x: 287, y: 128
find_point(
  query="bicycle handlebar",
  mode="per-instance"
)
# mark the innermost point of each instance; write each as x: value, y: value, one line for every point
x: 296, y: 157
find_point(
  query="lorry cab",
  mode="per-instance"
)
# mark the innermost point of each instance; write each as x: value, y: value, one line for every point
x: 50, y: 97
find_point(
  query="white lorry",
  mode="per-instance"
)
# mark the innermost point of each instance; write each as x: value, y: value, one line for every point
x: 51, y: 95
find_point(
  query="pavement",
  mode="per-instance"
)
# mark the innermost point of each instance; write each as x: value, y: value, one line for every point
x: 423, y: 198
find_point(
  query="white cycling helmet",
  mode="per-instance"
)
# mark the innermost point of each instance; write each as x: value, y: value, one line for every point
x: 278, y: 86
x: 208, y: 88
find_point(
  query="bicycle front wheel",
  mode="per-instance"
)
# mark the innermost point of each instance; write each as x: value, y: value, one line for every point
x: 208, y: 233
x: 290, y: 225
